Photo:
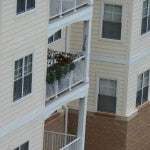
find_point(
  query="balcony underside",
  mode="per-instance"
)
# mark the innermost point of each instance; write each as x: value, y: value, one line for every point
x: 81, y: 14
x: 77, y: 92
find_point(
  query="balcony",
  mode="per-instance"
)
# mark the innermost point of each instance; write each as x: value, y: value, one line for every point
x: 64, y: 72
x: 61, y: 7
x: 60, y: 141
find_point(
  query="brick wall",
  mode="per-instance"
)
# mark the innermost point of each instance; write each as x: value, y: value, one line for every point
x: 55, y: 122
x: 108, y: 132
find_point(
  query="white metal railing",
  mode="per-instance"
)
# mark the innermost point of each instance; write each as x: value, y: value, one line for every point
x: 71, y: 79
x: 60, y: 141
x: 60, y: 7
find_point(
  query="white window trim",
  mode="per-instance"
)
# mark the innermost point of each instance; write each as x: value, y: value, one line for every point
x: 29, y: 95
x: 142, y: 34
x: 97, y: 92
x: 142, y: 90
x: 122, y: 21
x: 27, y: 12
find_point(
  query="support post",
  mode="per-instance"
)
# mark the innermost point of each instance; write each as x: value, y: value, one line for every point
x: 87, y: 46
x: 82, y: 122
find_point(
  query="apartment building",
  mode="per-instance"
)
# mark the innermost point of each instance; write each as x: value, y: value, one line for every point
x: 37, y: 82
x: 118, y: 100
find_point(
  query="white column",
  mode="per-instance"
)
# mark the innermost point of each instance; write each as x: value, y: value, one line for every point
x: 82, y: 122
x: 87, y: 46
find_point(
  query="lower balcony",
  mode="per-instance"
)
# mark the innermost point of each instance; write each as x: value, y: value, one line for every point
x: 60, y: 141
x: 65, y: 71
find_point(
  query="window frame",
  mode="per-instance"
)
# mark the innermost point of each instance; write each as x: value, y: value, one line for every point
x: 122, y: 21
x: 26, y: 10
x: 97, y: 92
x: 53, y: 36
x: 22, y: 77
x: 142, y: 88
x: 148, y: 14
x: 21, y: 145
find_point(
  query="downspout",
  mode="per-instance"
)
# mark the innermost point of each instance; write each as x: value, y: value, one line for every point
x: 66, y: 118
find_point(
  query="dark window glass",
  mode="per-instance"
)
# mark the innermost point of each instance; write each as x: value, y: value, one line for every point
x: 17, y: 89
x: 144, y: 25
x: 25, y: 146
x: 111, y: 30
x: 138, y: 98
x: 30, y: 4
x: 145, y: 94
x: 106, y: 103
x: 20, y: 6
x: 16, y: 148
x: 27, y: 85
x: 50, y: 39
x: 57, y: 35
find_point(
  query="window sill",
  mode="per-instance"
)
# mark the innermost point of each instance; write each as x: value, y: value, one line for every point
x: 21, y: 100
x: 104, y: 114
x: 17, y: 16
x: 111, y: 40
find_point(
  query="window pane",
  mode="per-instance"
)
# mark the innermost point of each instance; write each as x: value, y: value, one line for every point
x: 106, y: 104
x: 16, y: 148
x: 112, y: 92
x: 27, y: 85
x: 28, y: 59
x: 18, y: 74
x: 30, y: 4
x: 112, y: 84
x: 144, y: 25
x: 50, y: 39
x: 107, y: 16
x: 140, y: 81
x: 145, y: 94
x: 17, y: 90
x: 138, y: 98
x: 27, y: 69
x: 111, y: 30
x: 103, y: 83
x: 25, y: 146
x: 20, y: 6
x: 149, y: 23
x: 103, y: 91
x: 18, y: 64
x: 57, y: 35
x: 117, y: 9
x: 117, y: 17
x: 108, y: 8
x: 145, y: 12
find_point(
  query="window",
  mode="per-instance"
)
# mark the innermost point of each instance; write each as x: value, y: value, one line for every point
x: 54, y: 37
x: 24, y: 146
x: 22, y: 77
x: 112, y: 22
x: 146, y: 17
x: 107, y: 96
x: 25, y: 5
x: 142, y: 89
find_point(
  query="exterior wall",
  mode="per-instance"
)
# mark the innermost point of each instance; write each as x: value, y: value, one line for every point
x: 108, y: 57
x: 20, y: 36
x: 109, y: 132
x: 32, y: 132
x: 139, y: 55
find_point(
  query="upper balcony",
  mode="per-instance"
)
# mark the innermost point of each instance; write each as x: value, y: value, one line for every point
x: 58, y: 8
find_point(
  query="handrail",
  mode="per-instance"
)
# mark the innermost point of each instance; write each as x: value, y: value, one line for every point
x: 74, y: 141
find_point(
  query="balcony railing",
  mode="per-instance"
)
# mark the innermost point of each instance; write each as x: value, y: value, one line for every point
x: 60, y: 141
x: 60, y: 7
x: 70, y: 79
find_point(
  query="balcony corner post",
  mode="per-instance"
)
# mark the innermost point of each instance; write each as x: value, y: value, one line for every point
x: 82, y: 122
